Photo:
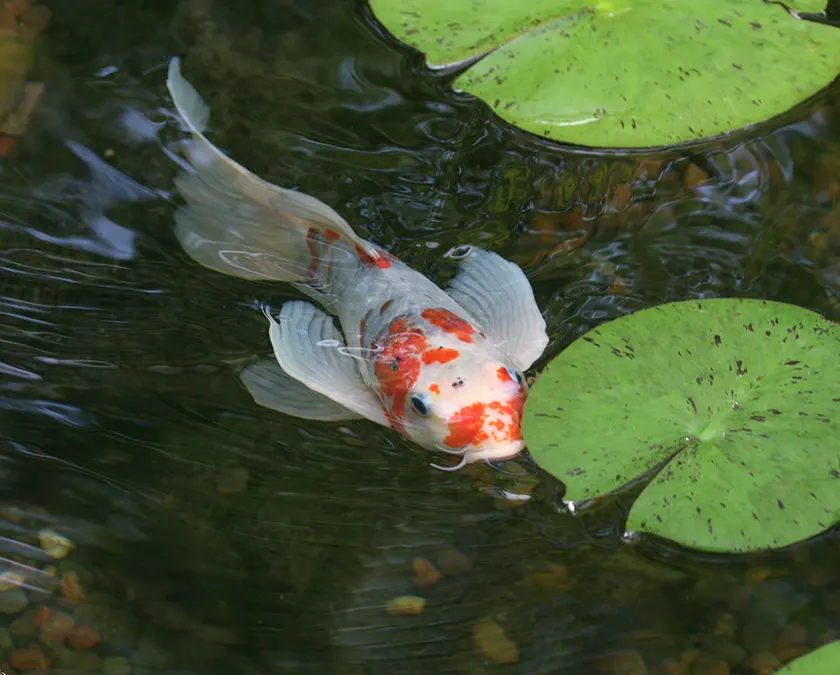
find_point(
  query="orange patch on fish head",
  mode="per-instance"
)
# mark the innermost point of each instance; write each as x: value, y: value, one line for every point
x: 486, y: 423
x: 465, y: 426
x: 440, y: 355
x: 397, y: 365
x: 447, y: 392
x: 450, y: 323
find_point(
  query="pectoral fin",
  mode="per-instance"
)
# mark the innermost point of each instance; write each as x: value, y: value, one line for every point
x: 497, y: 294
x: 272, y: 388
x: 309, y: 348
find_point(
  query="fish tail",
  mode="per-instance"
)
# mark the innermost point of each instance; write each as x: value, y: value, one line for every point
x: 238, y: 224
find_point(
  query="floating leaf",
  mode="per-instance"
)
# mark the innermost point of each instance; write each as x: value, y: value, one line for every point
x: 739, y: 399
x: 824, y: 660
x: 624, y: 73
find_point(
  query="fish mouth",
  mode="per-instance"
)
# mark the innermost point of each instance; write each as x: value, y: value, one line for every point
x: 494, y: 452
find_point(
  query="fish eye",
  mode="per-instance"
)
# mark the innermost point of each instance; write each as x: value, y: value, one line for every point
x: 515, y: 375
x: 420, y: 404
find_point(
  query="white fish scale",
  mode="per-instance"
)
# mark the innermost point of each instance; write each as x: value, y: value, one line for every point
x: 409, y: 292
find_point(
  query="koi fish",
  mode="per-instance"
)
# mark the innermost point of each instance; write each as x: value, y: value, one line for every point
x: 443, y: 368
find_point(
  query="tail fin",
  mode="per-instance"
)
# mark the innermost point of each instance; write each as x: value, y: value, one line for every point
x: 239, y: 224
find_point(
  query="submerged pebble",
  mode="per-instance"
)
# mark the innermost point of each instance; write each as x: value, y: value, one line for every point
x: 724, y: 625
x: 56, y: 627
x: 688, y: 657
x: 623, y: 663
x: 791, y: 643
x: 13, y: 601
x: 491, y: 640
x: 54, y: 544
x: 764, y: 663
x: 758, y: 575
x: 706, y: 664
x: 424, y: 574
x: 670, y: 667
x: 10, y: 579
x: 84, y: 576
x: 553, y: 576
x: 82, y: 638
x: 70, y: 588
x: 13, y: 514
x: 451, y: 561
x: 30, y: 658
x: 406, y: 605
x: 25, y: 624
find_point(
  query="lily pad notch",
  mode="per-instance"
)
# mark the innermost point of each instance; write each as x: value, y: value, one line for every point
x: 737, y: 399
x: 624, y: 73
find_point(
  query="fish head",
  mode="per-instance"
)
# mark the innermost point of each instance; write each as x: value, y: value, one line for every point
x: 445, y: 386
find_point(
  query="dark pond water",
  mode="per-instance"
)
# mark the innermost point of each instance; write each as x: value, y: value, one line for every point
x: 214, y: 536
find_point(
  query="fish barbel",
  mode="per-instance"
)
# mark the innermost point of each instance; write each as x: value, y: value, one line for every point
x: 444, y: 368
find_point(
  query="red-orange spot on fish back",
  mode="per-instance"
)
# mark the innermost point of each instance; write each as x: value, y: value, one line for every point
x: 435, y: 389
x: 465, y: 426
x: 398, y: 326
x: 504, y: 375
x: 512, y: 407
x: 331, y: 235
x: 501, y: 407
x: 450, y: 323
x: 379, y: 261
x: 510, y: 410
x: 440, y: 355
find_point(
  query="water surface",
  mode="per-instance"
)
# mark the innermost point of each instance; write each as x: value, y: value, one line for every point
x: 223, y: 537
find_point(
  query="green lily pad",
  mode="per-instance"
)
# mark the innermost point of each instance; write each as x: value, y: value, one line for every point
x: 739, y: 399
x: 624, y: 73
x: 821, y: 661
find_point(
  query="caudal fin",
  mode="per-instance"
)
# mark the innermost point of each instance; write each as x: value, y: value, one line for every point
x: 236, y: 223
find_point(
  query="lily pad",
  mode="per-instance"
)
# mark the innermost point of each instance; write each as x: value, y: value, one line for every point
x: 624, y: 73
x: 733, y: 405
x: 826, y: 659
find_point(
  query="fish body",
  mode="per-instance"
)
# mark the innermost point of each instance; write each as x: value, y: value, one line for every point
x: 442, y: 367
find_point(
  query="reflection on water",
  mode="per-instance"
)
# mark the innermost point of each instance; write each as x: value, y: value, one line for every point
x: 214, y: 536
